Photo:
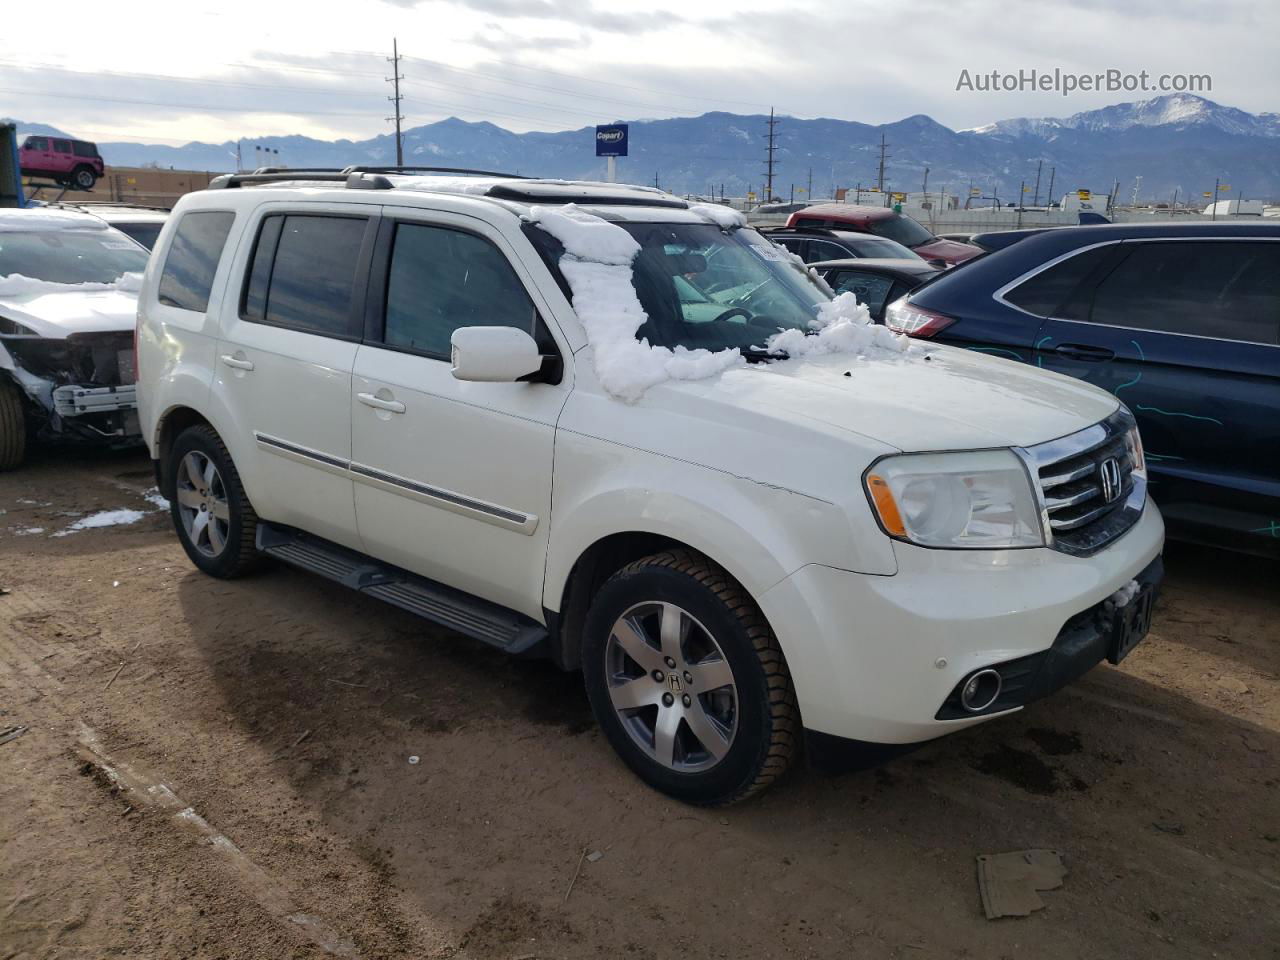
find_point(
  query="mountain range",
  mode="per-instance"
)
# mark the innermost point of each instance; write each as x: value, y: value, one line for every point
x: 1177, y: 142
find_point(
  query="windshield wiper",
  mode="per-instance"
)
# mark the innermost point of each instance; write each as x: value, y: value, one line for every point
x: 756, y: 355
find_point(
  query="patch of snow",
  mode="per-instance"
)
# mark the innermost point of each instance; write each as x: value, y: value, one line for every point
x: 843, y: 325
x: 28, y: 531
x: 17, y: 285
x: 726, y: 218
x: 31, y: 218
x: 153, y: 497
x: 597, y: 266
x: 740, y: 134
x: 104, y: 518
x: 477, y: 186
x: 1121, y: 597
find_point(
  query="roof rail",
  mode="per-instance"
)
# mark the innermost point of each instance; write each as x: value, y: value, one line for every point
x: 298, y: 170
x: 361, y: 168
x: 352, y: 181
x: 822, y: 231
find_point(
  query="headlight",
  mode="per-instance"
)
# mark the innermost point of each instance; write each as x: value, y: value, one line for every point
x: 1133, y: 447
x: 979, y: 500
x: 12, y: 328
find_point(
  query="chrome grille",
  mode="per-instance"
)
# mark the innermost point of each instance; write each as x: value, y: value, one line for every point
x: 1090, y: 489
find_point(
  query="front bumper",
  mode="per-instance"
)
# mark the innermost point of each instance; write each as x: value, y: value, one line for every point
x: 875, y: 658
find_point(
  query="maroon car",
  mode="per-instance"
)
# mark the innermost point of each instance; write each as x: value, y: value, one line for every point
x: 76, y: 163
x: 884, y: 222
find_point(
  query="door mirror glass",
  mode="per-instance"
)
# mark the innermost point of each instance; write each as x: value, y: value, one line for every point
x: 493, y: 354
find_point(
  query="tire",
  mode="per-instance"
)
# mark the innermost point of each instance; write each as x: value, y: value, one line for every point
x: 13, y: 426
x: 84, y: 177
x: 213, y: 517
x: 687, y: 732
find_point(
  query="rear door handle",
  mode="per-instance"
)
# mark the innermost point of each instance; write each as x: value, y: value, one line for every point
x: 1082, y: 351
x: 369, y: 400
x: 236, y: 362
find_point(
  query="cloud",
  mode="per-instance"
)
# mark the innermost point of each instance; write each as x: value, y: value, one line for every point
x: 580, y: 13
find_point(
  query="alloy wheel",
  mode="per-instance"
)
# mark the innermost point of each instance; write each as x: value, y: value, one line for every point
x: 202, y: 504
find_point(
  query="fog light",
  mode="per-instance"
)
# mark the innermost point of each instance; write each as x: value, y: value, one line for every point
x: 980, y: 690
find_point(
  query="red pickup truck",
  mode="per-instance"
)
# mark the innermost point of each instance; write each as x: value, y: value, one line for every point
x: 75, y: 163
x: 884, y: 222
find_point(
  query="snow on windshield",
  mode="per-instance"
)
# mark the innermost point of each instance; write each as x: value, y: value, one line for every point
x: 17, y: 285
x: 598, y: 266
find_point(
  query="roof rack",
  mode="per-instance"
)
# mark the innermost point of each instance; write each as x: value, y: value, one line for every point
x: 361, y: 168
x: 823, y: 231
x: 352, y: 181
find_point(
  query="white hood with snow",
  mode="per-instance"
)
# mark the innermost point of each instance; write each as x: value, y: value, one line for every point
x: 57, y: 310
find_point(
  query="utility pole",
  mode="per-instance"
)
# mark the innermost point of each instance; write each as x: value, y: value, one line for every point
x: 655, y: 181
x: 769, y: 162
x: 1052, y: 171
x: 395, y: 79
x: 808, y: 191
x: 1036, y: 201
x: 924, y: 187
x: 883, y: 157
x: 1213, y: 204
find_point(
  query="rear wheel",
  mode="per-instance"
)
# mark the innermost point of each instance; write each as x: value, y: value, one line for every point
x: 84, y: 177
x: 13, y: 426
x: 212, y: 515
x: 687, y: 680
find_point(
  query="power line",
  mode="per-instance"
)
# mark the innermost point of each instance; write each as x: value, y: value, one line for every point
x: 396, y: 77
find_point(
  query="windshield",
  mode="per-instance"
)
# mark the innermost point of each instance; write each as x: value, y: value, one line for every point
x: 705, y: 287
x: 903, y: 229
x: 881, y: 247
x: 70, y: 256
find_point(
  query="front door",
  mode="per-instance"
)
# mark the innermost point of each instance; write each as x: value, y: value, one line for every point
x: 453, y: 479
x: 1187, y: 334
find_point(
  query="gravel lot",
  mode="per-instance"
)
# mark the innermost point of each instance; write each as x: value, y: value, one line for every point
x: 281, y: 713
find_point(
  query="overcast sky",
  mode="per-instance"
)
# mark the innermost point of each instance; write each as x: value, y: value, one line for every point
x: 199, y: 70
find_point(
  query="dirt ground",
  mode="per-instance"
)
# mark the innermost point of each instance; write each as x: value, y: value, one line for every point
x: 225, y: 770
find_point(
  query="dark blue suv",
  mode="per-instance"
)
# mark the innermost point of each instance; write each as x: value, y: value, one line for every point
x: 1180, y: 321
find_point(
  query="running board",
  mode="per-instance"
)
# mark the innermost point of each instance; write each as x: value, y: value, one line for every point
x: 461, y: 612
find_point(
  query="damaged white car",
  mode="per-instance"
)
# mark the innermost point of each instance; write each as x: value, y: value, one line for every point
x: 68, y: 302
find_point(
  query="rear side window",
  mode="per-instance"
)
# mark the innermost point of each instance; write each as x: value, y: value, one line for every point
x: 1223, y: 289
x: 62, y: 146
x: 82, y: 149
x: 1049, y: 289
x: 193, y: 258
x: 441, y: 279
x: 303, y: 274
x: 820, y: 250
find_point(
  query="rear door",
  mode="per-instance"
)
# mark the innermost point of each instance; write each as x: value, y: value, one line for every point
x: 61, y: 158
x: 284, y: 362
x: 1187, y: 334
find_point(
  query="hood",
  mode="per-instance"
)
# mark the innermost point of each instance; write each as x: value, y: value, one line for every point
x: 947, y: 250
x: 58, y: 315
x: 955, y: 400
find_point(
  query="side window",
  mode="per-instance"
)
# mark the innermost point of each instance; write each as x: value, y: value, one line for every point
x: 62, y: 146
x: 825, y: 250
x: 303, y: 273
x: 870, y: 289
x: 1224, y: 289
x: 193, y: 258
x: 82, y: 149
x: 794, y: 244
x: 1046, y: 292
x: 441, y: 279
x: 37, y: 143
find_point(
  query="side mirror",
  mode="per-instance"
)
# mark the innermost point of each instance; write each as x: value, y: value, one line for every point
x: 493, y: 354
x: 940, y: 264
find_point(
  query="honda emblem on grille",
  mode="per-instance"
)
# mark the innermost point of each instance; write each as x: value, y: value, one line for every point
x: 1109, y: 474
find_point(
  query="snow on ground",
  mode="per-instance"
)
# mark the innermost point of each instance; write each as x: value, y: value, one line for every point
x: 17, y: 285
x: 103, y: 518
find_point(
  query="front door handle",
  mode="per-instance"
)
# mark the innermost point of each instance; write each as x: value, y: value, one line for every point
x: 237, y: 362
x: 1083, y: 351
x: 369, y: 400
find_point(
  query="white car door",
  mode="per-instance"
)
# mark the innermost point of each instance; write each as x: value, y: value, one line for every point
x: 453, y: 479
x: 284, y: 363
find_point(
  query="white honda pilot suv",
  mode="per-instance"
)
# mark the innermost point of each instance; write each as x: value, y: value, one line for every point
x: 597, y: 423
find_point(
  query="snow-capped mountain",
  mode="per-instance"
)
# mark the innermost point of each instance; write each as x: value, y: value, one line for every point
x: 1181, y: 142
x: 1182, y: 111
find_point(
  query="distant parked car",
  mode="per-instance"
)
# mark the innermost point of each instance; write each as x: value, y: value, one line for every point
x: 1179, y: 321
x: 142, y: 224
x: 68, y: 306
x: 75, y: 163
x: 884, y: 222
x: 876, y: 283
x: 814, y: 244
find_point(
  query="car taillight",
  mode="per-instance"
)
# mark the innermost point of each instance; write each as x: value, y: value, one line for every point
x: 902, y: 316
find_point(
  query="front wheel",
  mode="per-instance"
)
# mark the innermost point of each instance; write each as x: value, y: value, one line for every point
x: 687, y: 680
x: 211, y: 513
x: 13, y: 426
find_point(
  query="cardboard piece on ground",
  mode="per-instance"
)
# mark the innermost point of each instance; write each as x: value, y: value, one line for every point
x: 1009, y: 881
